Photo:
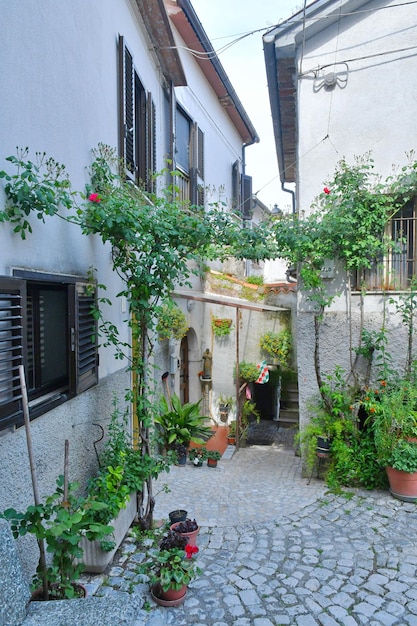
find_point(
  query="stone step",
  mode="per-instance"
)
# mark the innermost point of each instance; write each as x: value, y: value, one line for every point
x: 288, y: 417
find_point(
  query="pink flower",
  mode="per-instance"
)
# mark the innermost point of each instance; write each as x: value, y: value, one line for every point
x: 326, y: 190
x: 94, y: 197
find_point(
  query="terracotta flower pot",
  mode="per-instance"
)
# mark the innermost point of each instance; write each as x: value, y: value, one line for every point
x: 191, y: 536
x: 170, y: 597
x: 403, y: 485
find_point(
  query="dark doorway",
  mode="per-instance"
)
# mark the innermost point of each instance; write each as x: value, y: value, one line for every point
x: 184, y: 373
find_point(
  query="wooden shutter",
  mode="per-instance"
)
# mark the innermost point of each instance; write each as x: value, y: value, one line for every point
x: 150, y: 143
x: 197, y: 165
x: 127, y: 108
x: 247, y: 198
x: 12, y: 346
x: 84, y: 341
x: 200, y: 154
x: 236, y: 185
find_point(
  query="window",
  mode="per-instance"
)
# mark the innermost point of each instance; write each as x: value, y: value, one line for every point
x: 46, y: 324
x: 397, y: 269
x: 241, y: 192
x: 137, y: 123
x: 189, y: 159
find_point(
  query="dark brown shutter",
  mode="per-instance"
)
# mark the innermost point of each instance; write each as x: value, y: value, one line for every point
x: 247, y: 198
x: 200, y: 153
x: 236, y: 185
x: 12, y: 346
x: 127, y: 107
x: 85, y: 338
x: 150, y: 143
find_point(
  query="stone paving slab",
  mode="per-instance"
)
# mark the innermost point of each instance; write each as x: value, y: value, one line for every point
x: 276, y: 550
x: 255, y: 484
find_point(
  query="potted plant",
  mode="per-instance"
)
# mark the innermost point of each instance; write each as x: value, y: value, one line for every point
x: 231, y: 435
x: 248, y: 414
x: 181, y: 424
x: 61, y: 521
x: 179, y: 515
x: 225, y: 404
x: 188, y: 529
x: 221, y: 326
x: 393, y: 418
x: 197, y: 456
x: 172, y: 322
x: 212, y: 457
x: 248, y: 372
x: 278, y: 346
x: 122, y: 471
x: 171, y: 569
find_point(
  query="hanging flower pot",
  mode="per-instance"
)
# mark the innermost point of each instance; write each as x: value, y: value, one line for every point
x: 221, y: 326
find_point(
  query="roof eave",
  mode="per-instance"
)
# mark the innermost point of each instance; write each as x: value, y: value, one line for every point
x: 191, y: 30
x: 159, y: 30
x: 280, y: 51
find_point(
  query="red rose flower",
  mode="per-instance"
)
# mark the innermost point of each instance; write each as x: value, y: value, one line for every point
x: 94, y: 197
x: 326, y: 190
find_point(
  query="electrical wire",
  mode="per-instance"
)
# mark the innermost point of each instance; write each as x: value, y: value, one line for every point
x: 208, y: 55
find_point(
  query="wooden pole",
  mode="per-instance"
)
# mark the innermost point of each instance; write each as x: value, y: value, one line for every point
x: 25, y: 406
x: 237, y: 379
x: 66, y: 457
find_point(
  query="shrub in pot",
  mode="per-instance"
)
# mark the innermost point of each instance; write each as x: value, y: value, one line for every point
x: 181, y: 424
x: 212, y: 457
x: 61, y: 521
x: 393, y: 418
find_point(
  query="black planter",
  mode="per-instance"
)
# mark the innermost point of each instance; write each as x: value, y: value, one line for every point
x: 177, y: 516
x: 323, y: 447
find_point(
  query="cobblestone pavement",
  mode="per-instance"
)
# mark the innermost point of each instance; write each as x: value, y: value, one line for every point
x: 276, y: 550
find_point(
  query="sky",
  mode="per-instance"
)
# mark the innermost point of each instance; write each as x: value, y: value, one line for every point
x: 224, y: 21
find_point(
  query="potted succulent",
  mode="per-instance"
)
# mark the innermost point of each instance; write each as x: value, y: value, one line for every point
x: 171, y: 569
x: 61, y: 521
x: 212, y: 457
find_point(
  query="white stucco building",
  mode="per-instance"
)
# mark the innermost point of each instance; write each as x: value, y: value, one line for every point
x: 74, y: 74
x: 342, y: 83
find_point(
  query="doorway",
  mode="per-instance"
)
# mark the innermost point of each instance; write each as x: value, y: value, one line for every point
x: 184, y: 371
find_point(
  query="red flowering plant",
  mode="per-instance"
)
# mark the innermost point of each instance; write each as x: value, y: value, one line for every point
x: 173, y: 565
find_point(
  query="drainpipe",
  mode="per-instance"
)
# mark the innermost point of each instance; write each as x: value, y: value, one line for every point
x: 292, y: 196
x: 245, y: 145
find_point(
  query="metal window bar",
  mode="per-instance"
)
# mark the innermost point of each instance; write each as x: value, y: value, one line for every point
x: 396, y: 270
